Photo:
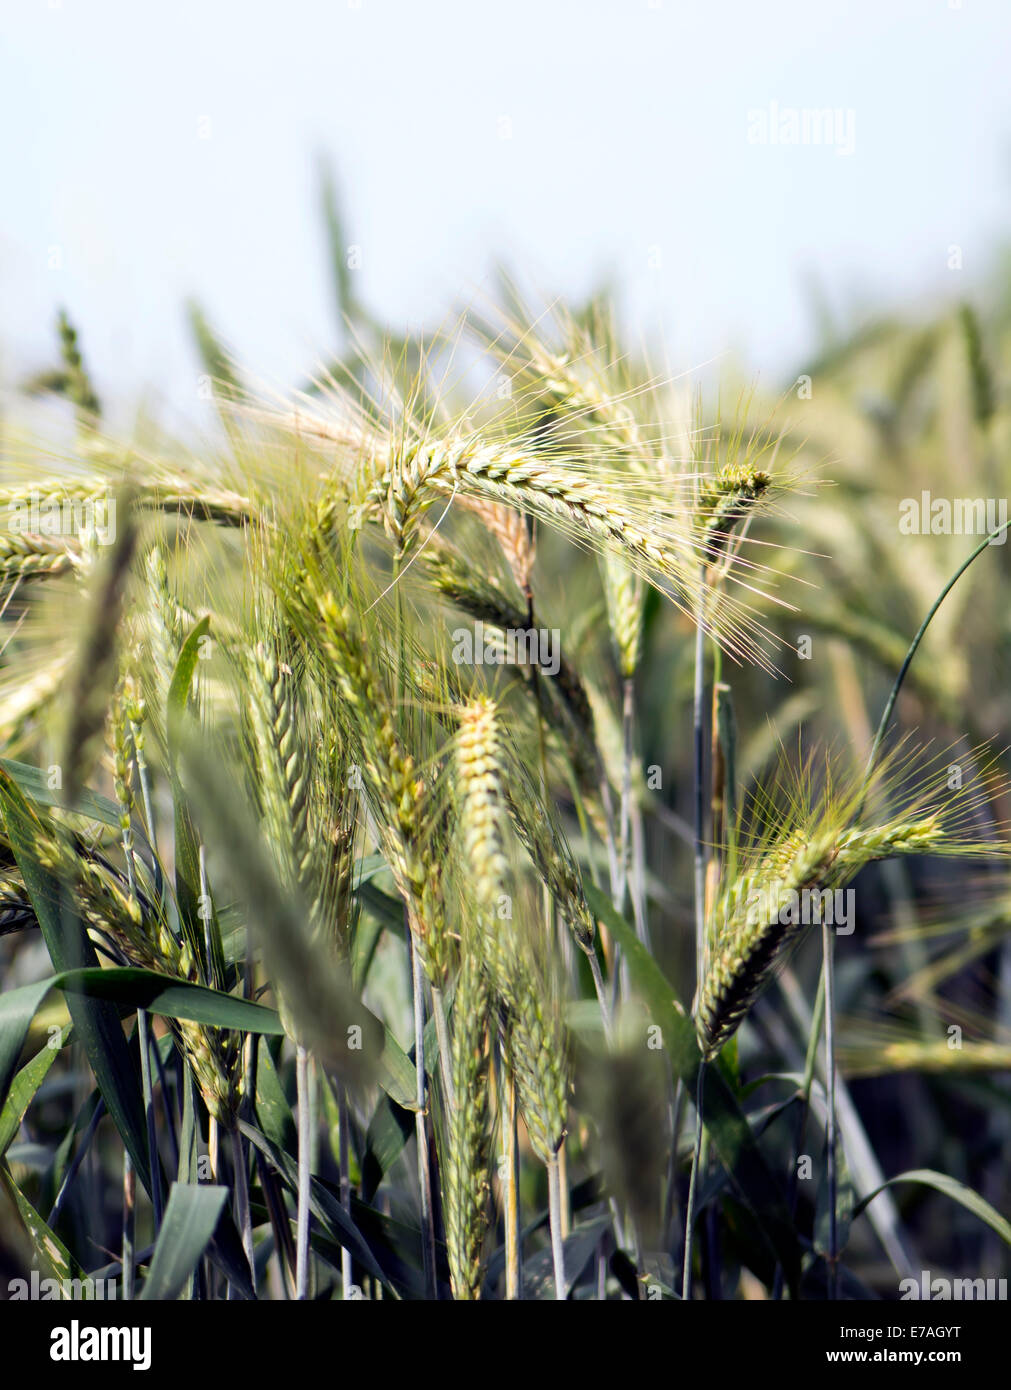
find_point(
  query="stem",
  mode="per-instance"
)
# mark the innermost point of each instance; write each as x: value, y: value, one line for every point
x: 828, y: 943
x: 131, y: 873
x: 205, y: 913
x: 698, y: 725
x: 686, y: 1276
x: 627, y: 723
x: 510, y: 1134
x: 304, y: 1146
x: 563, y: 1177
x: 212, y: 1146
x: 344, y: 1157
x: 910, y: 654
x: 129, y: 1214
x: 639, y: 915
x: 420, y: 1127
x: 555, y: 1218
x: 610, y: 843
x: 601, y: 989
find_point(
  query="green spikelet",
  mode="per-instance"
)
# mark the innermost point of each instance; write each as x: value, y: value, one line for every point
x: 624, y: 592
x: 24, y: 556
x: 481, y: 812
x: 165, y: 622
x: 724, y: 501
x: 534, y: 1049
x: 283, y: 780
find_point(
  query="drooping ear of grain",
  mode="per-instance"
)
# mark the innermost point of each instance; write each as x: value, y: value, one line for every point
x: 764, y: 914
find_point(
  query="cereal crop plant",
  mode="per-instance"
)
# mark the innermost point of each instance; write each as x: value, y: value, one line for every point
x: 410, y: 805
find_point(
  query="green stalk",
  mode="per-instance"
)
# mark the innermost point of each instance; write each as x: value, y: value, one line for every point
x: 910, y: 654
x: 624, y: 824
x: 610, y: 844
x: 828, y: 971
x: 417, y: 994
x: 555, y: 1221
x: 639, y: 915
x: 303, y: 1081
x: 686, y: 1273
x: 601, y: 991
x: 510, y: 1140
x: 420, y: 1127
x: 129, y: 1217
x: 344, y: 1159
x: 698, y: 726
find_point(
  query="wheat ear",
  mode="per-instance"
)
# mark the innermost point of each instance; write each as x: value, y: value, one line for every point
x: 24, y: 555
x: 283, y: 780
x: 759, y: 921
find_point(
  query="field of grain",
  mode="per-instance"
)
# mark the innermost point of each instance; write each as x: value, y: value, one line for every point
x: 501, y: 821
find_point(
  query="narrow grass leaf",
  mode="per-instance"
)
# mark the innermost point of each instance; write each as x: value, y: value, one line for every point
x: 191, y: 1216
x: 34, y: 783
x: 52, y: 1254
x: 24, y: 1086
x: 180, y: 999
x: 952, y: 1188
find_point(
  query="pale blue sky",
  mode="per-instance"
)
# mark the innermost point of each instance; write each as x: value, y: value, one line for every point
x: 628, y: 145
